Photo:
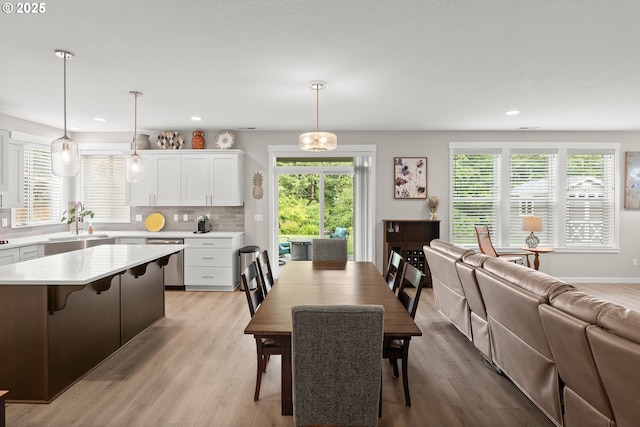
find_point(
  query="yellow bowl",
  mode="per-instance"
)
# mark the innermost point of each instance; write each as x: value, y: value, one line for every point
x: 154, y: 222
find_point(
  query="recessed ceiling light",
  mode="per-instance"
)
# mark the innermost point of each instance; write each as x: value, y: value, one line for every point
x: 196, y: 118
x: 99, y: 119
x: 512, y: 113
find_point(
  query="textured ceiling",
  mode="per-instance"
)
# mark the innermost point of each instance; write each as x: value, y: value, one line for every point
x: 391, y: 65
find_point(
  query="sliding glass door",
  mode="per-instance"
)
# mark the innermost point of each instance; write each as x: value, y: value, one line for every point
x: 315, y: 200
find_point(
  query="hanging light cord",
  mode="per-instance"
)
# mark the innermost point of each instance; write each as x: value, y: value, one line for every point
x: 64, y: 56
x: 317, y: 108
x: 135, y: 119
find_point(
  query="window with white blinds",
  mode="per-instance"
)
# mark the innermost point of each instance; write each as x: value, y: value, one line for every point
x: 571, y: 189
x: 532, y: 192
x: 590, y: 200
x: 42, y: 190
x: 104, y: 187
x: 475, y: 200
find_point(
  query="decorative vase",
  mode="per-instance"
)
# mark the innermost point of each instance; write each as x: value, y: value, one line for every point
x: 197, y: 142
x: 143, y: 142
x: 434, y: 214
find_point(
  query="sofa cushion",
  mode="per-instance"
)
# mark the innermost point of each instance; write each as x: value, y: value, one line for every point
x: 534, y: 281
x: 449, y: 248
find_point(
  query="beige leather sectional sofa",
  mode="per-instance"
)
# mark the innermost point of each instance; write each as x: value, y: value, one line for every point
x: 576, y: 356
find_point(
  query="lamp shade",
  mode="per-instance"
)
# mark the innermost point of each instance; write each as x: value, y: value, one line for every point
x: 318, y: 141
x: 65, y: 157
x: 532, y: 223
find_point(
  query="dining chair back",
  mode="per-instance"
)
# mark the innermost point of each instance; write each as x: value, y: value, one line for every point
x: 336, y: 364
x: 266, y: 274
x: 329, y: 250
x: 395, y: 349
x: 393, y: 271
x: 265, y: 347
x: 251, y: 280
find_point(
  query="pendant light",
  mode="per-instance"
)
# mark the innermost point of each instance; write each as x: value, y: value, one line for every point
x: 65, y: 157
x: 318, y: 141
x: 134, y: 165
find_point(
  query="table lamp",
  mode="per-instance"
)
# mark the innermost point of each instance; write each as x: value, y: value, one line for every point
x: 532, y: 223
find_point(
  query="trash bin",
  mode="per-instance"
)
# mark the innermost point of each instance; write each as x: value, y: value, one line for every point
x: 248, y: 254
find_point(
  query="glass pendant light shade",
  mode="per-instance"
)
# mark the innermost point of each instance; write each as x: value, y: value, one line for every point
x: 134, y: 167
x: 318, y: 141
x: 65, y: 156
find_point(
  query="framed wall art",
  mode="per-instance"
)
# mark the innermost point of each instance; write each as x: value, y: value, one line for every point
x: 632, y: 180
x: 410, y: 177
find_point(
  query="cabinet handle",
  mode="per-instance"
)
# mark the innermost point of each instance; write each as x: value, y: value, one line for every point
x: 0, y: 200
x: 208, y: 277
x: 208, y: 244
x: 149, y: 199
x: 208, y: 257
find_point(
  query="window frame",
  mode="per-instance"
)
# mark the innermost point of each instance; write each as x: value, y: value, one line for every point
x: 28, y: 141
x: 562, y: 150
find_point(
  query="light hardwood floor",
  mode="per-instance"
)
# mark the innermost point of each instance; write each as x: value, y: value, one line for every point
x: 195, y: 367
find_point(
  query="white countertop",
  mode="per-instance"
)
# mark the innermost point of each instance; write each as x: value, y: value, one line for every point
x: 44, y: 238
x: 82, y: 266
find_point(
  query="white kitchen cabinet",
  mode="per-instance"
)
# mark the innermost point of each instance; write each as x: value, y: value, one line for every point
x: 161, y: 183
x: 212, y: 178
x: 9, y: 256
x: 29, y: 252
x: 13, y: 196
x: 4, y: 160
x: 211, y: 264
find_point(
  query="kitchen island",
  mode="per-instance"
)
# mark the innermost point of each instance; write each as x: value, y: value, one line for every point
x: 62, y: 315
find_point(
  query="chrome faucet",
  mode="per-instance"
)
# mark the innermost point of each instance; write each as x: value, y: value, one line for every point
x: 79, y: 210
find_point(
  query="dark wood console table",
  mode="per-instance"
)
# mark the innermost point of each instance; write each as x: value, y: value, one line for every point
x: 407, y: 237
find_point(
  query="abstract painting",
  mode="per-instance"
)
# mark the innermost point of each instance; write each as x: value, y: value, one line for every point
x: 410, y: 177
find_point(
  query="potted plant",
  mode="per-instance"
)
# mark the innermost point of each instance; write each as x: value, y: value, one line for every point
x: 70, y: 217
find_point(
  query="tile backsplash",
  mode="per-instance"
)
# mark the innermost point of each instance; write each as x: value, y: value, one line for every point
x: 223, y: 218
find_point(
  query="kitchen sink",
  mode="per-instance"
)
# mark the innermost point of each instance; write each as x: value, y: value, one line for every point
x: 58, y: 246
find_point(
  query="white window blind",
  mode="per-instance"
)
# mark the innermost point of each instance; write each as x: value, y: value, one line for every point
x: 42, y: 190
x: 590, y: 199
x: 532, y: 192
x: 475, y: 194
x: 103, y: 187
x: 571, y: 188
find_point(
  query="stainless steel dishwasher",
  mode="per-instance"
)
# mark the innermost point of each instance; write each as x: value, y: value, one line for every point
x: 174, y: 271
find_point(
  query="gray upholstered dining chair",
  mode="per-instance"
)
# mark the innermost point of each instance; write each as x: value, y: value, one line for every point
x: 329, y: 250
x: 336, y: 364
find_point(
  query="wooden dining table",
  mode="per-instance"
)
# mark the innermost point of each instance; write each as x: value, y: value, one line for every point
x: 324, y: 283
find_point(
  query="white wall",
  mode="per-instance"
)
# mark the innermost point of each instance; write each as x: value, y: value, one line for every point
x: 433, y: 145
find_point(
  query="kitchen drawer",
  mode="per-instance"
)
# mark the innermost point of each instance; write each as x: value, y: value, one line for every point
x: 9, y: 256
x: 208, y: 276
x: 209, y: 243
x: 207, y: 257
x: 30, y: 252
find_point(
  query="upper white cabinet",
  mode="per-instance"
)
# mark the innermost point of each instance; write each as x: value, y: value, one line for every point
x: 161, y: 183
x: 13, y: 195
x: 4, y: 160
x: 212, y: 178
